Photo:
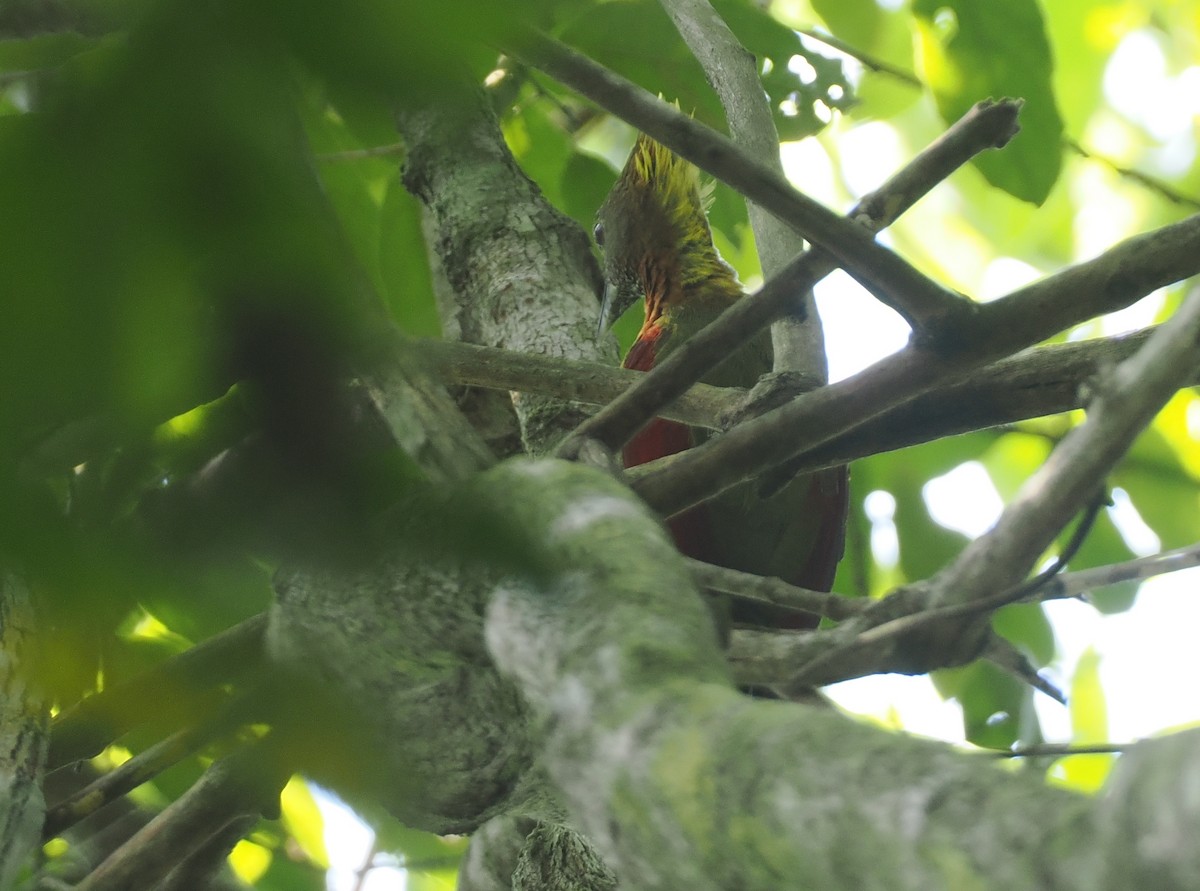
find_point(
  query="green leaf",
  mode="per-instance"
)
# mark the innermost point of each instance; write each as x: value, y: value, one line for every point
x: 797, y: 91
x: 404, y: 264
x: 637, y: 39
x: 971, y: 50
x: 303, y: 820
x: 995, y: 715
x: 1026, y: 625
x: 585, y: 181
x: 1089, y: 724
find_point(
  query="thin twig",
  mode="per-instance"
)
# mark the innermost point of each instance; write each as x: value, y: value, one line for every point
x: 1061, y: 750
x: 375, y: 151
x: 1078, y: 584
x: 1144, y: 179
x: 863, y: 58
x: 775, y: 592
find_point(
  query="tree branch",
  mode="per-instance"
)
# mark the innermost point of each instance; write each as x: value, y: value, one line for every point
x: 173, y: 693
x: 605, y: 651
x: 1129, y: 397
x: 476, y: 366
x: 986, y: 125
x: 1111, y: 281
x: 1078, y: 584
x: 797, y: 338
x: 523, y: 273
x: 24, y: 713
x: 927, y: 306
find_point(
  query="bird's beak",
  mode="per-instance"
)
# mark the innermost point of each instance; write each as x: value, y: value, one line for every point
x: 606, y: 309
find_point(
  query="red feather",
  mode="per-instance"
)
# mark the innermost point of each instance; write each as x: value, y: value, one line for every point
x: 826, y: 498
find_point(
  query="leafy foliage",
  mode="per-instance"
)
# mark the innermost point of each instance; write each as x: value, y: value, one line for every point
x: 201, y: 237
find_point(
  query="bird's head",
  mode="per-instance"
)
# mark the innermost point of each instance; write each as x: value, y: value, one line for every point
x: 654, y: 233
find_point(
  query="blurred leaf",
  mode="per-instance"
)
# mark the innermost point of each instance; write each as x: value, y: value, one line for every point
x: 925, y: 545
x: 972, y: 50
x: 1089, y: 713
x: 635, y: 38
x: 426, y: 852
x: 858, y: 22
x: 42, y: 51
x: 585, y: 183
x: 249, y: 861
x: 541, y: 147
x: 1089, y: 725
x: 404, y: 264
x: 303, y: 820
x: 1026, y: 625
x: 994, y: 703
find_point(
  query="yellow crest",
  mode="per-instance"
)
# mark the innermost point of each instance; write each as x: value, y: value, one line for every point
x: 675, y: 181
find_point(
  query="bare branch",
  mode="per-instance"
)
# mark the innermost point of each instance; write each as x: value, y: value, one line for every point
x: 247, y: 782
x: 926, y: 305
x: 137, y: 770
x: 1126, y: 401
x: 1111, y: 281
x: 986, y: 125
x: 701, y: 405
x: 1129, y: 397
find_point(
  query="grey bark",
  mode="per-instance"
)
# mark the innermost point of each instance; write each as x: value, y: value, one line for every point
x: 523, y: 273
x: 24, y: 718
x: 797, y: 339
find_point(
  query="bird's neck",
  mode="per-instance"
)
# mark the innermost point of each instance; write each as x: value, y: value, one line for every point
x: 682, y: 298
x: 671, y: 320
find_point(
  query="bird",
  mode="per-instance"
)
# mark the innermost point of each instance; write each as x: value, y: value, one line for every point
x: 657, y: 247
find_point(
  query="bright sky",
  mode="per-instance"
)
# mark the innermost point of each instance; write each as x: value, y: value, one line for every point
x: 1149, y: 658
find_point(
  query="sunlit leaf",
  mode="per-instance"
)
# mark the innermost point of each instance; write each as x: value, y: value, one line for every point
x: 303, y: 820
x: 972, y: 50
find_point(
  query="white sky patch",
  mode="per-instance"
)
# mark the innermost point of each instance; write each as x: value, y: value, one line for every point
x: 1005, y: 275
x: 1131, y: 318
x: 965, y: 499
x: 1138, y: 85
x: 912, y: 701
x: 1149, y: 658
x: 1140, y: 538
x: 1104, y: 214
x: 809, y: 169
x: 880, y: 507
x: 859, y: 331
x: 870, y: 153
x: 1136, y: 71
x: 349, y: 840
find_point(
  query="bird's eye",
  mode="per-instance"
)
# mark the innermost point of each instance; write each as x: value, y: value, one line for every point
x: 598, y: 234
